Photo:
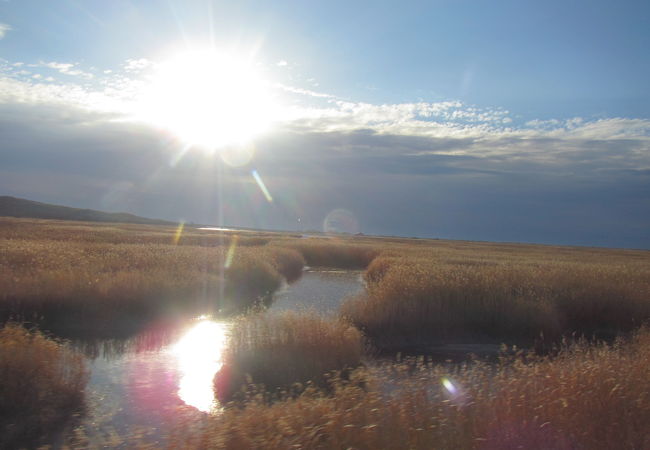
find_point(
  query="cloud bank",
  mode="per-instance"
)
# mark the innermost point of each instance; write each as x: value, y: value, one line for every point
x: 443, y: 169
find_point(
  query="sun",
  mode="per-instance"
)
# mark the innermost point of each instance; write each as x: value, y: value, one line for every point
x: 209, y: 98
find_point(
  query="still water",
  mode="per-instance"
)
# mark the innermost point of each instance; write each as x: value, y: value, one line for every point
x: 149, y: 383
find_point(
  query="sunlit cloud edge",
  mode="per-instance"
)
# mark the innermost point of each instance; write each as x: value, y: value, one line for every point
x: 109, y: 93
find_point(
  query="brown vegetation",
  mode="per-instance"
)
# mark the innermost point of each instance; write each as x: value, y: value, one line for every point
x: 418, y: 292
x: 289, y: 262
x: 588, y: 396
x: 121, y: 233
x: 282, y: 349
x: 422, y: 296
x: 42, y: 383
x: 330, y: 253
x: 73, y: 275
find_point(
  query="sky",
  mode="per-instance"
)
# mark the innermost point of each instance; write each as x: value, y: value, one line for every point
x: 494, y: 121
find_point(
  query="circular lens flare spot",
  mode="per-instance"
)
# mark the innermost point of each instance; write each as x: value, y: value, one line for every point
x: 341, y: 221
x: 238, y: 155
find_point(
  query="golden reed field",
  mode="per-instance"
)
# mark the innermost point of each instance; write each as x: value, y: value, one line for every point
x: 309, y: 381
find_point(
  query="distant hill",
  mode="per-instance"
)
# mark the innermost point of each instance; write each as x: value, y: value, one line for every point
x: 19, y: 207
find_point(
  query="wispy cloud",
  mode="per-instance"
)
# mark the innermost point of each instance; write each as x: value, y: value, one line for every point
x: 301, y: 91
x: 4, y: 28
x: 66, y: 69
x: 136, y: 65
x: 413, y: 130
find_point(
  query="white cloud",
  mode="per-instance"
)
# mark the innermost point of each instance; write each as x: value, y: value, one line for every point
x: 490, y: 132
x: 67, y: 69
x: 136, y: 65
x: 48, y: 91
x: 4, y: 28
x: 301, y: 91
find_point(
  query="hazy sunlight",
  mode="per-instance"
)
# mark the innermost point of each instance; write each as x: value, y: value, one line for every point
x: 210, y: 99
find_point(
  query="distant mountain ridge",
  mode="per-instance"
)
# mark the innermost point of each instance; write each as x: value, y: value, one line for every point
x: 20, y: 207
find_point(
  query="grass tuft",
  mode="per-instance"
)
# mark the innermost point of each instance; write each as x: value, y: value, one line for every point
x: 414, y: 301
x: 325, y: 253
x: 42, y: 383
x: 289, y: 262
x: 279, y: 350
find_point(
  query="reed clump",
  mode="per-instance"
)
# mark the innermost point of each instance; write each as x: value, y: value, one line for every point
x: 288, y: 262
x: 327, y: 253
x: 591, y: 396
x: 88, y: 284
x: 412, y: 301
x: 250, y: 279
x: 279, y: 350
x: 378, y: 268
x: 42, y: 384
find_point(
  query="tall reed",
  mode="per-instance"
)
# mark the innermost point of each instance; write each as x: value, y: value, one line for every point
x: 42, y: 383
x: 328, y: 253
x: 280, y: 350
x: 587, y: 397
x: 89, y: 283
x: 419, y: 300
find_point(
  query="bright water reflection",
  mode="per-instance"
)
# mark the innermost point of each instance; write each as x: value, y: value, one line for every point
x: 199, y: 355
x: 139, y: 383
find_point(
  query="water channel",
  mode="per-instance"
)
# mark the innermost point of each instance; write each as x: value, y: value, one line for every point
x: 164, y: 375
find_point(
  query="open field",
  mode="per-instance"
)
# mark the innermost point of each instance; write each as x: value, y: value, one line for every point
x: 417, y: 290
x: 102, y: 279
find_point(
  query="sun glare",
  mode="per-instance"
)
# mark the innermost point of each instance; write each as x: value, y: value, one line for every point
x: 209, y: 99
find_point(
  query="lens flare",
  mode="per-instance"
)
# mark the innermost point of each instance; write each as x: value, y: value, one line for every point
x: 262, y: 186
x: 231, y: 251
x: 341, y: 221
x: 238, y: 155
x: 179, y: 232
x: 447, y: 384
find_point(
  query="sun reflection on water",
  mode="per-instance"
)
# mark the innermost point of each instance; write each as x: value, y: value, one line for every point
x: 199, y: 358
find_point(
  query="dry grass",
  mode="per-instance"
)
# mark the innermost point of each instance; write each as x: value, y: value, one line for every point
x: 417, y: 289
x: 288, y: 262
x: 82, y: 275
x: 417, y: 298
x: 282, y: 349
x: 334, y: 253
x: 587, y: 397
x: 119, y: 233
x: 413, y: 305
x: 42, y: 383
x: 252, y: 279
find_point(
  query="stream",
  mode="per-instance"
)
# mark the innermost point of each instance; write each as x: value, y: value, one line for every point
x: 163, y: 376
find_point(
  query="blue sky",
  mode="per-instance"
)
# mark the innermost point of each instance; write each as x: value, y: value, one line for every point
x: 509, y: 121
